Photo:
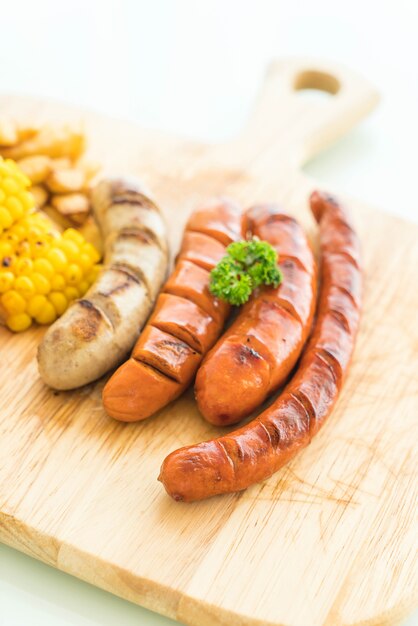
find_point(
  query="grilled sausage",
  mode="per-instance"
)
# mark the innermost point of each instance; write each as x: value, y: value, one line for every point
x: 97, y: 332
x: 253, y: 453
x: 259, y: 350
x: 186, y: 321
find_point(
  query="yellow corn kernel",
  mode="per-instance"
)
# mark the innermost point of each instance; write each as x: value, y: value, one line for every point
x: 73, y: 274
x: 6, y: 219
x: 13, y: 302
x: 58, y: 283
x: 73, y: 235
x: 26, y: 199
x: 11, y: 237
x: 44, y: 267
x: 18, y: 322
x: 24, y: 285
x: 6, y: 248
x: 23, y: 266
x: 10, y: 185
x: 24, y: 248
x: 82, y: 287
x: 57, y: 259
x: 71, y: 293
x: 18, y: 229
x: 46, y: 315
x: 35, y: 305
x: 70, y: 249
x: 15, y: 207
x: 41, y: 283
x: 92, y: 276
x: 38, y: 249
x: 85, y: 262
x: 58, y: 301
x: 92, y: 252
x: 6, y: 281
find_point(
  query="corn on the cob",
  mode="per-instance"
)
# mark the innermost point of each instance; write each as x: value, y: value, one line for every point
x: 41, y: 269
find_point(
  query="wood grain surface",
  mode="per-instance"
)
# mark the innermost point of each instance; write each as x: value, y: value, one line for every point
x: 327, y: 541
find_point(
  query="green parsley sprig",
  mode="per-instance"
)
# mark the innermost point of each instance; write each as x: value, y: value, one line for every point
x: 247, y: 265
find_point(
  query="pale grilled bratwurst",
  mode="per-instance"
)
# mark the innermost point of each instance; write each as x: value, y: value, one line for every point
x: 96, y: 332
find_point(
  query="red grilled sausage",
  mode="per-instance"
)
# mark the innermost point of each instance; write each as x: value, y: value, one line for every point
x: 254, y: 452
x: 259, y: 350
x: 186, y: 321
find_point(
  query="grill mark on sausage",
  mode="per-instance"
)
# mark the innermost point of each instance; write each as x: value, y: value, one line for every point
x: 143, y: 233
x: 245, y: 353
x: 305, y: 403
x: 289, y: 308
x: 344, y: 254
x: 332, y: 363
x: 285, y: 258
x: 273, y: 433
x: 196, y: 261
x: 131, y: 197
x: 127, y: 271
x: 203, y: 232
x: 271, y: 217
x: 103, y: 297
x: 124, y: 184
x: 190, y: 299
x: 177, y: 346
x: 87, y: 326
x: 154, y: 368
x: 340, y: 319
x: 228, y: 456
x: 136, y: 233
x: 133, y: 273
x: 163, y: 328
x: 347, y: 293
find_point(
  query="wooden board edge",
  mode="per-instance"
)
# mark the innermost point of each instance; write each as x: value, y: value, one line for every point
x: 161, y: 599
x: 88, y: 567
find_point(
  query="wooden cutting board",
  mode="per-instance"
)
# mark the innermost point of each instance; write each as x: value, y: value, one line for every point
x: 327, y: 541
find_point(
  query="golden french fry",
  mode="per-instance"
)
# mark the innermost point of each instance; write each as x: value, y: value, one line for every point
x: 40, y: 195
x: 90, y: 168
x: 78, y: 219
x: 71, y: 203
x: 62, y: 163
x: 26, y: 131
x: 56, y: 217
x: 66, y: 181
x: 36, y: 168
x: 8, y: 132
x: 51, y: 141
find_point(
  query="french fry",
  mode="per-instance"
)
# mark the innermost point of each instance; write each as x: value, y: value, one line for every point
x: 36, y: 168
x: 56, y: 217
x: 78, y: 219
x: 66, y: 181
x: 26, y: 131
x: 90, y: 168
x: 62, y: 163
x: 71, y: 203
x: 40, y: 195
x: 51, y: 141
x: 8, y: 132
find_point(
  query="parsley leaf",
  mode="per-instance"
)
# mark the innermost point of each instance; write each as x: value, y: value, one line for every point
x: 247, y: 265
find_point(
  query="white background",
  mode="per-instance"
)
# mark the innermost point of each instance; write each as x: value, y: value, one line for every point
x: 194, y: 67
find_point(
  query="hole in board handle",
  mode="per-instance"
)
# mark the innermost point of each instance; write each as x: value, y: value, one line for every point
x: 316, y: 84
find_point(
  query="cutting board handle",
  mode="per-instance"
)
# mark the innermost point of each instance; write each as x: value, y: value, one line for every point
x: 287, y: 118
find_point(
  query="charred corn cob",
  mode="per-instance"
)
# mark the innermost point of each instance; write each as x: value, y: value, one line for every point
x: 41, y: 270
